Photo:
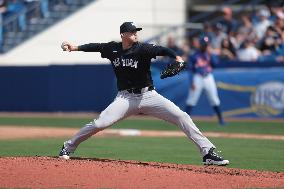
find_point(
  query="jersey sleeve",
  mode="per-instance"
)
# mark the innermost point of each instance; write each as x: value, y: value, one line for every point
x: 153, y: 51
x: 103, y: 48
x: 92, y: 47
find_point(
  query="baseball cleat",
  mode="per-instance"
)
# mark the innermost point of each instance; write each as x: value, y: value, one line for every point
x: 213, y: 158
x: 64, y: 153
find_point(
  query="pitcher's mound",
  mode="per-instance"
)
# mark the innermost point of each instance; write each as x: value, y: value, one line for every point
x: 51, y: 172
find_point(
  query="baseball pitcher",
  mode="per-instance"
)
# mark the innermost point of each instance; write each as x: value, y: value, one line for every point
x: 131, y: 61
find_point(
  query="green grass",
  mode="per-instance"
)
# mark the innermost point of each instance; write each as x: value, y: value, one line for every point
x: 244, y: 153
x: 233, y: 127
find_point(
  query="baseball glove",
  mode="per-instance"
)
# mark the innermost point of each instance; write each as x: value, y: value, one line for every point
x: 172, y: 69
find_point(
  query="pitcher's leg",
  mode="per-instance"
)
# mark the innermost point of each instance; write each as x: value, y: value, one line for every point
x: 163, y: 108
x: 117, y: 110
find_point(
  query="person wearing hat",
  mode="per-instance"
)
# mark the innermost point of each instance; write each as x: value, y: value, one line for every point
x: 263, y: 23
x: 131, y: 61
x: 201, y: 64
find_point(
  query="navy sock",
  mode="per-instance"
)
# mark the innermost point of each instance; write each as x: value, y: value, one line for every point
x: 188, y: 109
x: 219, y: 114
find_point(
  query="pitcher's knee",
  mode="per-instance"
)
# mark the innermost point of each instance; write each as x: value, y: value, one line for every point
x: 101, y: 124
x: 181, y: 117
x: 91, y: 126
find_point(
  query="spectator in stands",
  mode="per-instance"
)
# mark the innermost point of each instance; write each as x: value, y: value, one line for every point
x: 246, y: 28
x: 244, y: 31
x: 248, y: 52
x: 2, y: 10
x: 228, y: 23
x: 279, y: 22
x: 195, y: 45
x: 279, y: 27
x: 33, y: 7
x: 271, y: 41
x: 240, y: 37
x: 275, y: 9
x: 218, y: 36
x: 38, y: 9
x: 208, y: 30
x: 44, y: 8
x: 17, y: 7
x: 185, y: 49
x: 227, y: 51
x: 171, y: 43
x: 263, y: 23
x: 271, y: 44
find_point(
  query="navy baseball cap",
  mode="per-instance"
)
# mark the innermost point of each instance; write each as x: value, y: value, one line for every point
x: 128, y: 27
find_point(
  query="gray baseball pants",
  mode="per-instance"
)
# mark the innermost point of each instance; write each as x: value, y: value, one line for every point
x: 150, y: 103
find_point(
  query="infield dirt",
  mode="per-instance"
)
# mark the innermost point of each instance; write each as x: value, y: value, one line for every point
x: 51, y: 172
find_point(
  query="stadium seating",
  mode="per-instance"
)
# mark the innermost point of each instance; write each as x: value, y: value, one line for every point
x: 236, y: 28
x: 23, y: 19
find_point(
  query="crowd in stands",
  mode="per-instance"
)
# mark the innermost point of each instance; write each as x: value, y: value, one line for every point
x: 24, y: 11
x: 254, y: 37
x: 243, y: 36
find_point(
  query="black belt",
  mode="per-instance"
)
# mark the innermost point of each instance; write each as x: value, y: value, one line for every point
x: 140, y: 90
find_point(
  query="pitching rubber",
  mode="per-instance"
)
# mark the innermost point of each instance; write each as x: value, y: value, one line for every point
x: 219, y: 163
x: 64, y: 157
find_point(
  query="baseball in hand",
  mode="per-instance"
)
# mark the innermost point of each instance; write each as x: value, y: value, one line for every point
x: 64, y: 46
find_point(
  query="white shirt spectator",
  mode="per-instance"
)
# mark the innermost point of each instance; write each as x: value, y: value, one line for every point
x: 262, y: 25
x: 249, y: 53
x: 217, y: 40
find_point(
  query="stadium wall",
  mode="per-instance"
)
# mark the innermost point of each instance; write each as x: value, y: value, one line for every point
x: 254, y: 92
x: 56, y: 88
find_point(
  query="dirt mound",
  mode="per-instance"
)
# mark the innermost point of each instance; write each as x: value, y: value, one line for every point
x: 51, y: 172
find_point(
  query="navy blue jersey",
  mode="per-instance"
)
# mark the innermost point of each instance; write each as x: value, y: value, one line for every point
x: 202, y: 62
x: 131, y: 66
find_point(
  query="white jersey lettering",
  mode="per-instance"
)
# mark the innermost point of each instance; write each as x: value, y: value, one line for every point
x: 126, y: 63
